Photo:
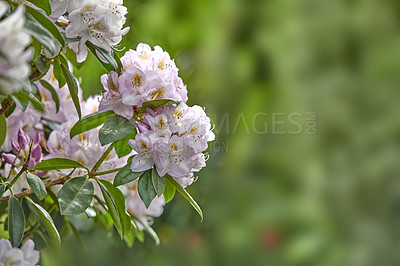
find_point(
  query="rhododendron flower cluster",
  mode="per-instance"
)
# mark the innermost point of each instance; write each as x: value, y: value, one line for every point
x: 146, y: 75
x: 24, y: 256
x: 119, y: 156
x: 173, y: 139
x: 14, y: 57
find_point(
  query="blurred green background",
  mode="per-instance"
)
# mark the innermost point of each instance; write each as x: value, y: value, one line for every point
x: 329, y: 198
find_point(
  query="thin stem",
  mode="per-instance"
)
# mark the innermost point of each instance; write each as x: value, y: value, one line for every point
x: 27, y: 192
x: 109, y: 171
x: 102, y: 158
x: 8, y: 104
x: 24, y: 168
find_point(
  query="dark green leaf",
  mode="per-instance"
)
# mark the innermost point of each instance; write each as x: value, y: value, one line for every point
x: 119, y: 203
x: 114, y: 129
x: 90, y: 121
x: 57, y: 164
x: 154, y: 104
x: 42, y: 4
x: 112, y: 64
x: 2, y: 189
x: 125, y: 175
x: 75, y: 195
x: 37, y: 185
x: 41, y: 65
x: 53, y: 92
x: 57, y: 73
x: 118, y: 60
x: 21, y: 99
x: 50, y: 26
x: 73, y: 88
x: 16, y: 221
x: 158, y: 182
x: 38, y: 106
x: 45, y: 221
x: 40, y: 33
x: 186, y: 195
x: 3, y: 129
x: 146, y: 188
x: 122, y: 147
x: 169, y: 192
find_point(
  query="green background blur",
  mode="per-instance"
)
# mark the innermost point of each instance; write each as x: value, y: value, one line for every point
x: 329, y: 198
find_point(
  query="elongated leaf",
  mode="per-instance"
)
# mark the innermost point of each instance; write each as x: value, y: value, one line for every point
x: 45, y: 221
x: 2, y: 189
x: 54, y: 94
x: 38, y: 106
x: 154, y: 104
x: 16, y: 221
x: 119, y: 64
x: 37, y: 185
x: 169, y: 192
x: 3, y: 129
x: 149, y: 230
x: 112, y: 64
x: 125, y: 175
x: 90, y: 121
x: 111, y: 207
x: 50, y: 26
x: 114, y: 129
x: 146, y: 188
x: 73, y: 88
x: 42, y: 4
x: 122, y: 147
x: 57, y: 164
x: 40, y: 33
x: 158, y: 182
x: 57, y: 73
x: 119, y: 203
x: 186, y: 195
x: 21, y: 99
x: 75, y: 195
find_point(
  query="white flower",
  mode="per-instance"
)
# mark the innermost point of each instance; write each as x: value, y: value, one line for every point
x: 14, y: 57
x: 97, y: 21
x: 12, y: 256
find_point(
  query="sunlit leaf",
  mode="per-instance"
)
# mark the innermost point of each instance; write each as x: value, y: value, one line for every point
x: 90, y: 121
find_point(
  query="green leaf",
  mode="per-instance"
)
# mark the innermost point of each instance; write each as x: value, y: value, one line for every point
x: 16, y: 221
x: 154, y: 104
x: 42, y: 4
x: 40, y: 33
x: 38, y: 106
x: 57, y: 73
x: 122, y: 147
x: 118, y: 60
x: 37, y: 185
x: 3, y: 129
x: 73, y: 88
x: 118, y: 207
x: 130, y: 238
x: 186, y: 195
x: 125, y: 175
x: 158, y: 182
x: 115, y: 128
x: 2, y: 189
x: 57, y: 164
x: 169, y: 192
x: 112, y: 64
x: 149, y: 230
x: 21, y: 99
x: 90, y: 121
x: 75, y: 195
x: 45, y: 221
x: 146, y: 188
x: 50, y: 26
x: 53, y: 92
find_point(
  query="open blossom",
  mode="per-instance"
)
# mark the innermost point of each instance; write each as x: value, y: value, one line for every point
x: 24, y: 256
x: 146, y: 75
x: 14, y: 59
x: 98, y: 21
x: 173, y: 139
